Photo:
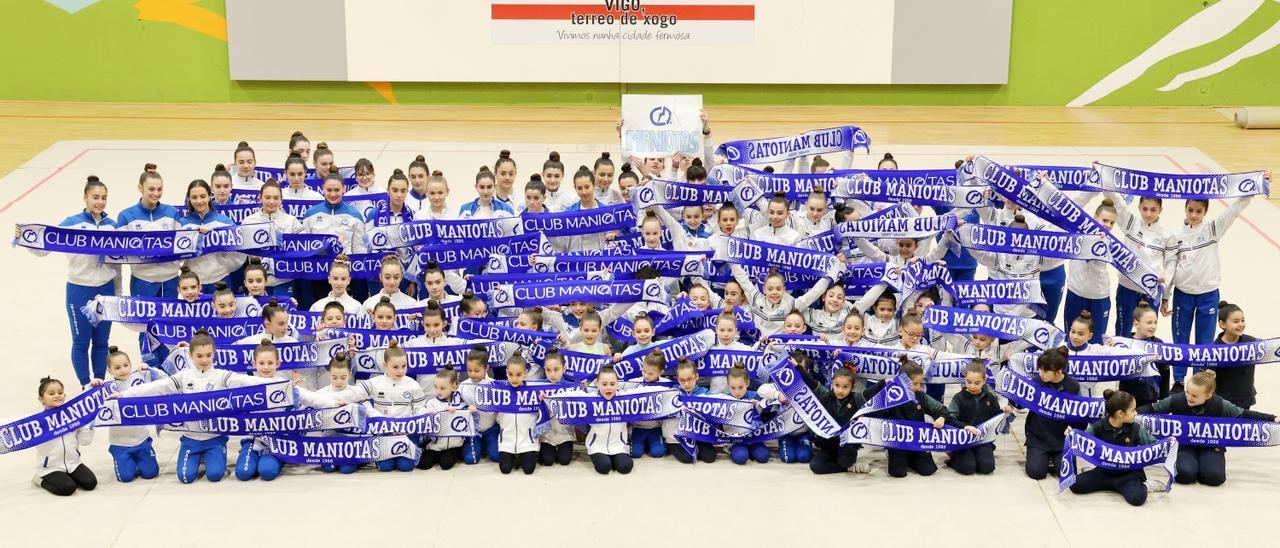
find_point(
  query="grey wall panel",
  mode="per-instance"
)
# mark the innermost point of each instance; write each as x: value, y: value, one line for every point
x: 287, y: 39
x: 951, y: 41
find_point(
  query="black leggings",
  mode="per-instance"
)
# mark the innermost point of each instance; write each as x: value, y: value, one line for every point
x: 446, y: 458
x: 1130, y: 485
x: 551, y: 454
x: 63, y: 484
x: 901, y: 461
x: 833, y: 461
x: 1207, y: 465
x: 605, y: 463
x: 528, y: 462
x: 980, y: 459
x: 706, y: 452
x: 1041, y: 463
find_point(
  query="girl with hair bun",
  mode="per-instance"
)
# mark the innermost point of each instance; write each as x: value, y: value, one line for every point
x: 61, y: 472
x: 485, y: 206
x: 504, y: 173
x: 299, y: 145
x: 87, y: 278
x: 271, y: 197
x: 1235, y: 384
x: 1119, y: 428
x: 1089, y: 283
x: 245, y: 161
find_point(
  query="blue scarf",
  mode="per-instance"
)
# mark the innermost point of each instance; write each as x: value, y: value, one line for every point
x: 183, y: 243
x: 640, y: 404
x: 718, y: 361
x: 239, y: 357
x: 947, y: 370
x: 1013, y: 291
x: 908, y: 227
x: 1069, y: 178
x: 792, y: 259
x: 908, y: 187
x: 553, y: 293
x: 783, y: 374
x: 1041, y: 243
x: 294, y: 421
x: 1213, y: 431
x: 52, y: 424
x: 220, y: 239
x: 435, y: 232
x: 332, y: 450
x: 366, y: 338
x: 1047, y: 402
x: 723, y: 410
x: 922, y: 177
x: 222, y: 330
x: 718, y: 272
x: 694, y: 428
x: 1094, y: 368
x: 442, y: 424
x: 348, y: 173
x: 581, y: 366
x: 1169, y: 186
x: 897, y: 391
x: 137, y: 311
x: 176, y: 408
x: 1208, y: 355
x: 1000, y: 326
x: 668, y: 264
x: 578, y: 222
x: 297, y: 246
x: 476, y: 254
x: 777, y: 149
x: 483, y: 284
x: 535, y: 343
x: 922, y: 436
x: 677, y: 193
x: 690, y: 346
x: 362, y: 265
x: 797, y: 186
x: 428, y: 360
x: 1104, y: 455
x: 1050, y: 204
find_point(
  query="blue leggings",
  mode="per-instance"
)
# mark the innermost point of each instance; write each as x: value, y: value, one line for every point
x: 403, y: 464
x: 88, y: 342
x: 252, y: 463
x: 647, y: 440
x: 213, y: 452
x: 740, y: 453
x: 132, y: 462
x: 795, y: 448
x: 1052, y: 283
x: 1189, y: 310
x: 168, y: 289
x: 1126, y: 301
x: 1100, y: 309
x: 484, y: 445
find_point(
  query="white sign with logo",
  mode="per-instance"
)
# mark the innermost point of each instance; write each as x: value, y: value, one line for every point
x: 659, y: 125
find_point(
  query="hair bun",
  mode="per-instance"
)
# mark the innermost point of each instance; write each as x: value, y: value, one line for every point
x: 605, y: 155
x: 385, y: 299
x: 296, y: 134
x: 1085, y: 315
x: 485, y: 169
x: 768, y: 169
x: 554, y: 156
x: 93, y: 179
x: 626, y: 168
x: 397, y: 171
x: 1106, y: 394
x: 113, y: 349
x: 148, y: 167
x: 1223, y: 304
x: 393, y: 344
x: 817, y: 157
x: 1209, y: 373
x: 420, y: 158
x: 1142, y: 304
x: 264, y: 341
x: 504, y: 153
x: 322, y: 146
x: 219, y: 286
x: 535, y: 177
x: 437, y: 173
x: 697, y: 162
x: 1106, y: 202
x: 887, y: 156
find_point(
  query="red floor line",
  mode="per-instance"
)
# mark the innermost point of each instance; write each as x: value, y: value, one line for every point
x: 42, y: 181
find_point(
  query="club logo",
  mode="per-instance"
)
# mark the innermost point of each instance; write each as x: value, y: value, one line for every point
x: 732, y: 153
x: 29, y: 236
x: 1151, y: 281
x: 379, y: 240
x: 342, y: 417
x: 645, y: 195
x: 458, y: 424
x: 276, y: 397
x: 660, y: 116
x: 261, y: 237
x: 859, y: 430
x: 1100, y: 248
x: 1248, y: 186
x: 399, y: 448
x: 106, y: 414
x: 183, y: 243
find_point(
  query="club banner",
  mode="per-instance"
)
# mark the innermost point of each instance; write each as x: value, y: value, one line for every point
x: 482, y: 284
x: 797, y: 186
x: 1014, y: 291
x: 677, y: 194
x: 960, y: 321
x: 631, y: 366
x: 904, y: 177
x: 477, y: 254
x: 117, y: 244
x: 723, y: 410
x: 1169, y: 186
x: 502, y: 397
x: 1050, y: 204
x: 777, y: 149
x: 299, y: 246
x: 1207, y: 355
x: 783, y: 374
x: 1068, y: 178
x: 742, y: 251
x: 1094, y: 368
x: 1081, y: 444
x: 488, y: 330
x: 584, y: 221
x: 718, y: 272
x: 908, y: 188
x: 52, y: 424
x: 196, y: 406
x: 695, y: 427
x: 897, y: 391
x: 239, y: 357
x: 601, y: 292
x: 429, y: 360
x: 442, y: 424
x: 348, y: 174
x: 1213, y: 431
x: 910, y: 227
x: 334, y: 450
x: 1048, y: 403
x: 922, y: 436
x: 135, y: 312
x: 278, y: 422
x: 580, y: 366
x: 640, y: 404
x: 717, y: 362
x: 660, y: 125
x: 454, y: 231
x: 1041, y: 243
x: 221, y: 239
x: 367, y: 338
x: 223, y: 330
x: 947, y: 370
x: 669, y: 264
x: 362, y: 265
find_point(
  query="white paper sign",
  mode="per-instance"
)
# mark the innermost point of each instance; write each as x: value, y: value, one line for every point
x: 659, y: 125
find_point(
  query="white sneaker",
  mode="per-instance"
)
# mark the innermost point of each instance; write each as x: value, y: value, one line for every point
x: 862, y: 468
x: 1155, y: 486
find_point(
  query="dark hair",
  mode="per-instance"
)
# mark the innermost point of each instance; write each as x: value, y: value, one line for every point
x: 1019, y: 221
x: 478, y: 353
x: 887, y: 158
x: 976, y: 365
x: 1106, y: 206
x: 334, y: 176
x: 1085, y: 318
x: 1202, y: 202
x: 113, y: 351
x: 1158, y: 201
x: 1141, y: 310
x: 91, y: 182
x: 603, y: 160
x: 779, y: 198
x: 45, y: 382
x: 818, y: 161
x: 908, y: 367
x: 271, y: 309
x: 584, y: 172
x: 420, y: 162
x: 220, y: 289
x: 322, y: 149
x: 739, y: 371
x: 255, y: 263
x: 243, y: 146
x: 628, y: 174
x: 185, y: 273
x: 148, y: 172
x: 363, y: 164
x: 591, y: 316
x: 535, y: 316
x: 1226, y: 309
x: 1117, y: 401
x: 393, y: 351
x: 219, y: 171
x: 331, y: 305
x: 842, y: 373
x: 265, y: 346
x: 535, y: 183
x: 696, y: 172
x: 655, y: 359
x: 484, y: 173
x: 448, y: 374
x: 1053, y: 360
x: 200, y: 338
x: 607, y: 369
x: 504, y: 156
x: 296, y: 138
x: 432, y: 309
x: 553, y: 354
x: 295, y: 159
x: 340, y: 361
x: 468, y: 302
x: 385, y: 301
x: 200, y: 183
x: 553, y: 162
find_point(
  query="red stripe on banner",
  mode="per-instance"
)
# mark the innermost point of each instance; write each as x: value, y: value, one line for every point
x: 555, y: 12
